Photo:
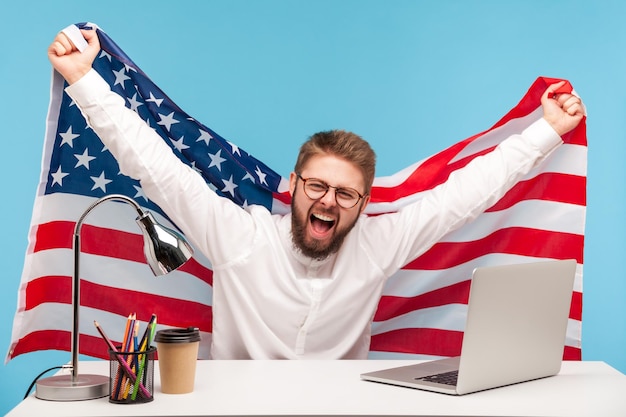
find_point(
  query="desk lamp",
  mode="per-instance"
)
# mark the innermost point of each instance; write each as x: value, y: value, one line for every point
x: 165, y: 250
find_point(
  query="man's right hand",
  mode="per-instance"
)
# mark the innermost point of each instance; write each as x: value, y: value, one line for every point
x: 562, y: 111
x: 68, y: 60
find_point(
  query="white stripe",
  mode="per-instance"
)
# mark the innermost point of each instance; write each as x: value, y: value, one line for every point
x: 448, y: 317
x: 531, y: 214
x: 410, y: 283
x: 76, y: 37
x: 119, y: 273
x: 110, y: 214
x: 56, y: 316
x: 574, y: 333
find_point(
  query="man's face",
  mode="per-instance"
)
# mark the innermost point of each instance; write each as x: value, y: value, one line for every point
x: 319, y: 226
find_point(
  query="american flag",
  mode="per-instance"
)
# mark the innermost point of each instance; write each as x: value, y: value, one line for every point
x: 422, y: 311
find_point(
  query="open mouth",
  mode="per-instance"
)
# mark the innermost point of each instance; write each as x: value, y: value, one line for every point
x: 321, y: 224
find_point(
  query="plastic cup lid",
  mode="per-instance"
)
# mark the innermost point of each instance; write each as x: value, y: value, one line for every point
x: 190, y: 334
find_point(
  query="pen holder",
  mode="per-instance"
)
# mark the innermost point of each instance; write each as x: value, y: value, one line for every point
x: 132, y: 376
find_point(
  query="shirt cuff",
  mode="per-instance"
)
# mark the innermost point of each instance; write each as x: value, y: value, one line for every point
x: 85, y: 90
x: 542, y: 136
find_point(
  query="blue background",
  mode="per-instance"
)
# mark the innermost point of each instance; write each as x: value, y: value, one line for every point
x: 412, y: 77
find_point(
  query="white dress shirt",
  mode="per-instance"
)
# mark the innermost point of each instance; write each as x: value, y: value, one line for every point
x: 270, y: 301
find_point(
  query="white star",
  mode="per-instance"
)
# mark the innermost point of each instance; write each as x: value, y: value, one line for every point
x: 57, y: 177
x: 154, y: 100
x: 229, y: 186
x: 84, y: 159
x: 195, y: 168
x: 205, y: 136
x: 104, y: 54
x: 261, y: 175
x: 100, y: 182
x: 68, y: 137
x: 216, y: 160
x: 120, y: 77
x: 134, y: 103
x: 245, y: 205
x: 167, y: 121
x: 129, y: 68
x: 235, y: 148
x: 140, y: 193
x: 179, y: 144
x: 248, y: 176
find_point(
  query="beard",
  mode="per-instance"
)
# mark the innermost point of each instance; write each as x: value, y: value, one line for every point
x: 313, y: 248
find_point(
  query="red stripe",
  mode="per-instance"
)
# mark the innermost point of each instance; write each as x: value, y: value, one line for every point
x: 198, y: 270
x: 532, y: 100
x: 53, y: 235
x: 390, y: 307
x: 170, y: 311
x: 578, y: 136
x: 436, y: 169
x: 562, y: 188
x: 50, y: 289
x: 111, y: 243
x: 432, y: 172
x: 551, y: 186
x: 434, y: 342
x: 576, y: 307
x: 513, y: 240
x: 61, y: 340
x: 571, y: 353
x: 393, y: 306
x: 283, y: 197
x: 413, y: 341
x: 94, y: 240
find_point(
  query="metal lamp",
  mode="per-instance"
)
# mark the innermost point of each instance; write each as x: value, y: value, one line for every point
x: 165, y: 250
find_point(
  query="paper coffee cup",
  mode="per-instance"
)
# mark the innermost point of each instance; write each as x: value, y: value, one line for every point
x: 177, y: 351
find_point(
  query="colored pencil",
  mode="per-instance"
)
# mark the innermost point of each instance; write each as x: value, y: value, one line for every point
x: 123, y: 365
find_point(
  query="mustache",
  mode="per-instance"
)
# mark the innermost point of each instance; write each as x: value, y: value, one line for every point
x: 321, y: 209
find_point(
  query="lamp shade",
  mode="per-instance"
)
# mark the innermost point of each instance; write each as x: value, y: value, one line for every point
x: 165, y: 249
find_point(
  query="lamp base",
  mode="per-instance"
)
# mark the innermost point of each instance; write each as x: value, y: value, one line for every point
x: 61, y: 387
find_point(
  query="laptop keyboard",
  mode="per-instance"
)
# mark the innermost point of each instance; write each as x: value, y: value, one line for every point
x: 446, y: 378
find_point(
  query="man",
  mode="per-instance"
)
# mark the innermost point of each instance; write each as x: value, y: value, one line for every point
x: 304, y: 285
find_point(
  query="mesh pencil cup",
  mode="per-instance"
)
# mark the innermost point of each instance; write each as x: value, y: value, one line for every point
x: 132, y: 376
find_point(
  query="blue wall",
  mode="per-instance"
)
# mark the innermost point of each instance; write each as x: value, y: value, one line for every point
x: 266, y: 74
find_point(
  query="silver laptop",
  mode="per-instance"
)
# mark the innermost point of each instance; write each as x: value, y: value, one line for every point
x: 515, y: 331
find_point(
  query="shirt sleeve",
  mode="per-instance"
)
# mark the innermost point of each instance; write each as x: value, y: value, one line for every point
x: 395, y: 239
x: 203, y: 216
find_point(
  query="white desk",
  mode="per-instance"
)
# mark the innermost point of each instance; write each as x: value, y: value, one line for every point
x: 333, y: 388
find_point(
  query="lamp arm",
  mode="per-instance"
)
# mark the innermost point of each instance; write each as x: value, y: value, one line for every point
x: 76, y: 276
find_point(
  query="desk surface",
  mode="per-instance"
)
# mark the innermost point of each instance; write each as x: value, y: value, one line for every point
x: 333, y: 388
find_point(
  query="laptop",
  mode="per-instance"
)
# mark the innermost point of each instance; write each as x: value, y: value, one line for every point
x: 515, y: 331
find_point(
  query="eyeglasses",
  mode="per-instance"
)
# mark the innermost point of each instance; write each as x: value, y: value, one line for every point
x: 315, y: 189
